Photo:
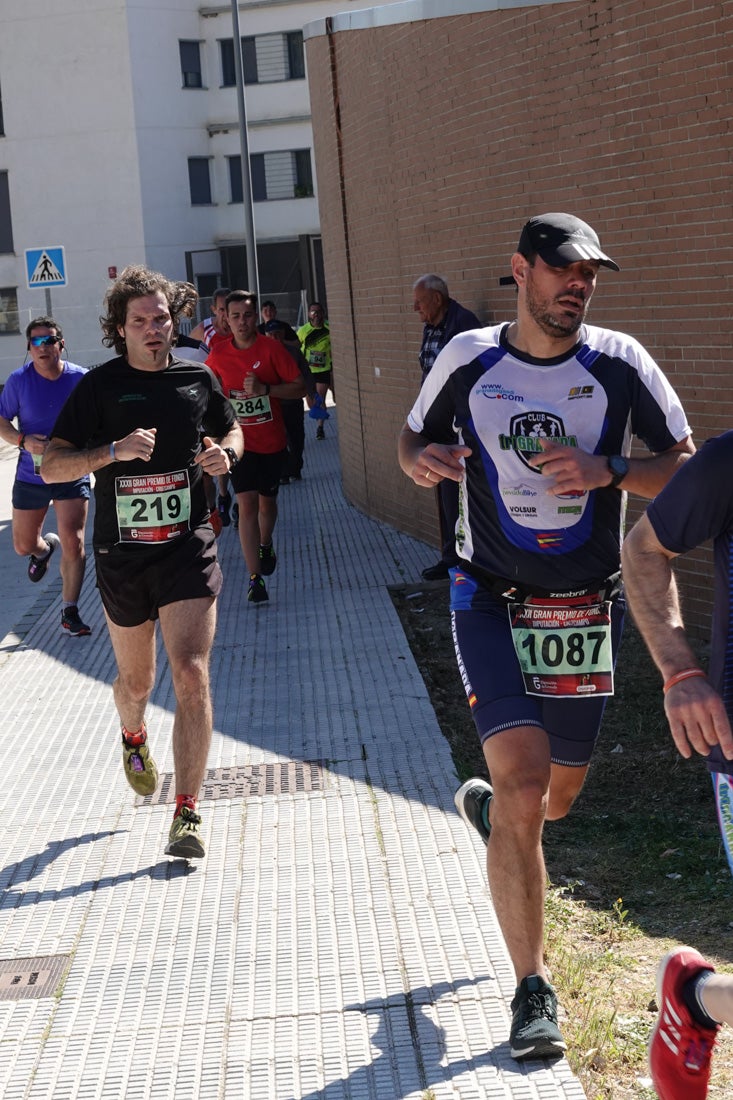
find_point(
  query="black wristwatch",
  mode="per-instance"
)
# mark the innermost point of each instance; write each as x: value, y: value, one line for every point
x: 619, y: 467
x: 231, y: 455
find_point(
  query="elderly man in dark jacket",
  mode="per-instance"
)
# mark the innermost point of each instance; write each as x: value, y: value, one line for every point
x: 442, y: 318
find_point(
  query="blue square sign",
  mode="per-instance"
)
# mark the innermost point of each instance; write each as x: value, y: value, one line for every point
x: 45, y: 267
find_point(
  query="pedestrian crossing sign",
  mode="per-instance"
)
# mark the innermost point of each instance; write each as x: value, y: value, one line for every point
x: 45, y: 267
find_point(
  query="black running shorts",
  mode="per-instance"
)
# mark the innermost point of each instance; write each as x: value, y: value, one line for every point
x: 136, y: 582
x: 259, y: 473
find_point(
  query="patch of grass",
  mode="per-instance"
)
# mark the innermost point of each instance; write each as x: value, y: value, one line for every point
x: 636, y: 868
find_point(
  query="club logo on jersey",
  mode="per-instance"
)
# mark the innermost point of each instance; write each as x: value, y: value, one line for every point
x: 528, y: 428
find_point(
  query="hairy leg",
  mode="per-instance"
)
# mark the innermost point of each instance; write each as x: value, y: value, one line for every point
x: 188, y: 633
x: 519, y: 764
x: 134, y: 649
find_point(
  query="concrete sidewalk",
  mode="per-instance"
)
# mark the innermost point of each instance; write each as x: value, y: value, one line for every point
x: 338, y: 941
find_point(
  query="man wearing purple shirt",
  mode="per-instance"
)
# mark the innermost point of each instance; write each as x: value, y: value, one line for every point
x: 29, y: 404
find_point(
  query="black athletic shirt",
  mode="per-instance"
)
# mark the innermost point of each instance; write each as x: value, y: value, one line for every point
x: 183, y: 402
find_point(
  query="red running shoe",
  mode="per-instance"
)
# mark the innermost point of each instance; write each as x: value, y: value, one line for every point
x: 679, y: 1049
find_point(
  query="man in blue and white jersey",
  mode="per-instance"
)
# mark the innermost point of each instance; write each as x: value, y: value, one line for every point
x: 544, y: 409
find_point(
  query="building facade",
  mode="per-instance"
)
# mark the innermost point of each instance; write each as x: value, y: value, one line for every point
x: 120, y: 143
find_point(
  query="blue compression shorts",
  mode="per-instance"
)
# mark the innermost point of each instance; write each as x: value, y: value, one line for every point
x: 493, y: 678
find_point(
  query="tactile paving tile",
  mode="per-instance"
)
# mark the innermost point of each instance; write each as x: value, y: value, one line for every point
x: 336, y: 942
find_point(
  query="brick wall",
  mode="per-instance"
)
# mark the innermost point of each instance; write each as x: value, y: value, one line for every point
x: 435, y: 140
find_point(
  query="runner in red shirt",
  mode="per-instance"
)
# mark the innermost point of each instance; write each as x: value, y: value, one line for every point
x: 256, y: 373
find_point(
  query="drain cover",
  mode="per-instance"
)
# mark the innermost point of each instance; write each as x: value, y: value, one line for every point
x: 23, y: 979
x: 252, y: 780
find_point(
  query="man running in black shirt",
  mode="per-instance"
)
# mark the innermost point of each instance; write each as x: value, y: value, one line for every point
x: 149, y: 426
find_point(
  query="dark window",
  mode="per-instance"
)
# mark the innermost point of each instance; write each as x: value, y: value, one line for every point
x: 190, y: 64
x: 228, y: 65
x: 296, y: 57
x: 6, y: 224
x: 235, y: 179
x: 199, y: 181
x: 228, y: 72
x: 257, y: 170
x: 2, y: 126
x: 9, y: 316
x: 249, y: 61
x: 303, y: 173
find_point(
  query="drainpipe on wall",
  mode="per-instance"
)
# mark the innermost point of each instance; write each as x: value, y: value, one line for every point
x: 342, y: 188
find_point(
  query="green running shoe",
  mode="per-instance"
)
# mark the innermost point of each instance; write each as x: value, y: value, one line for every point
x: 140, y: 768
x: 184, y: 839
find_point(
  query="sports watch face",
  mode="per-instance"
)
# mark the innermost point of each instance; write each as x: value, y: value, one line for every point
x: 619, y: 468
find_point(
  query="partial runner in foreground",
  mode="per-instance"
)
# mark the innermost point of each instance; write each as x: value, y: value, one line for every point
x: 149, y: 426
x: 696, y: 506
x: 541, y: 407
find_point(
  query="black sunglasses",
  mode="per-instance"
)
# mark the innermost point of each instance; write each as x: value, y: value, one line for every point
x: 45, y: 341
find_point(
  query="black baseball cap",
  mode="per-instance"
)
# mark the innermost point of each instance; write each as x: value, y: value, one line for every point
x: 560, y: 239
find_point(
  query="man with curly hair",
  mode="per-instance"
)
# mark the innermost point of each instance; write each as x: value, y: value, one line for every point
x: 149, y: 426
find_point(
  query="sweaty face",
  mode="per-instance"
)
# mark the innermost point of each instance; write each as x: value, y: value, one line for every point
x: 557, y: 298
x: 148, y: 331
x: 242, y: 317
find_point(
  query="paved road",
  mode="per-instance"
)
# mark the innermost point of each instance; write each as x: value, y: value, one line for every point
x: 338, y: 941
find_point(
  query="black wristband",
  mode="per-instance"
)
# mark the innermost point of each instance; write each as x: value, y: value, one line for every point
x: 21, y: 442
x: 267, y: 388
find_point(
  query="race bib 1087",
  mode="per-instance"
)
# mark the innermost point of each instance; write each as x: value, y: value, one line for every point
x: 563, y: 651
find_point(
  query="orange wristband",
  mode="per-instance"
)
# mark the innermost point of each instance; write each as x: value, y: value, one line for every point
x: 685, y: 674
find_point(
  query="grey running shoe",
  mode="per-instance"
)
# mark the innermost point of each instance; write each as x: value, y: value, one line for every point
x: 470, y: 800
x: 72, y: 624
x: 37, y: 566
x: 184, y: 839
x: 140, y: 768
x: 534, y: 1032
